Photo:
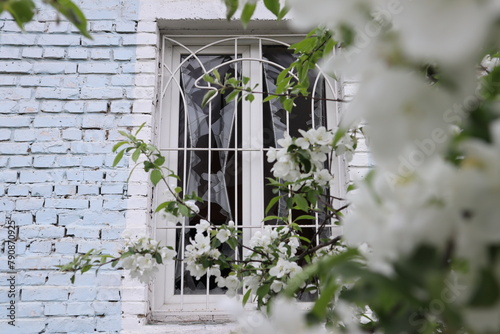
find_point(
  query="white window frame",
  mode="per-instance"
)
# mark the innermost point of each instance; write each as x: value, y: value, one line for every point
x: 166, y: 305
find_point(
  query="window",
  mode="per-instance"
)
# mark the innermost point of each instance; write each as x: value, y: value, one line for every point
x: 219, y: 151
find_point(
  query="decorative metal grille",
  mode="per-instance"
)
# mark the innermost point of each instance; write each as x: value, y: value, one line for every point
x: 220, y: 150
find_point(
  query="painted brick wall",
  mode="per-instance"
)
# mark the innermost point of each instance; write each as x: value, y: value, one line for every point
x: 63, y: 99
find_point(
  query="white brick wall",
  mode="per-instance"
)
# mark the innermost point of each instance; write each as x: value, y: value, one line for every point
x: 63, y: 99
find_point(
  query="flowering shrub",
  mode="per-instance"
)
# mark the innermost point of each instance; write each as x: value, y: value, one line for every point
x: 420, y: 249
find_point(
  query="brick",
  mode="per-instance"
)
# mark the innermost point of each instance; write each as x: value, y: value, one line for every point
x: 126, y: 26
x: 146, y: 52
x: 69, y: 218
x: 102, y: 26
x: 99, y: 54
x: 59, y: 39
x: 74, y: 107
x: 112, y: 189
x: 98, y: 67
x: 35, y: 26
x: 102, y: 93
x: 23, y: 326
x: 139, y: 67
x: 88, y: 189
x: 58, y: 27
x: 77, y: 53
x: 73, y: 325
x: 18, y: 39
x: 82, y: 293
x: 140, y: 39
x: 43, y: 293
x: 103, y: 40
x: 54, y: 53
x: 14, y: 93
x: 28, y: 107
x: 90, y: 148
x: 124, y: 53
x: 144, y: 107
x: 96, y: 81
x: 46, y: 217
x: 15, y: 66
x: 123, y: 80
x: 30, y: 310
x: 80, y: 309
x: 72, y: 134
x: 37, y: 176
x: 20, y: 161
x: 32, y: 52
x: 5, y: 134
x: 140, y: 93
x: 92, y: 161
x: 108, y: 294
x: 44, y: 161
x: 111, y: 233
x: 55, y: 121
x: 66, y: 203
x: 121, y: 107
x: 41, y: 231
x: 145, y: 26
x: 50, y: 147
x: 29, y: 204
x: 9, y: 52
x: 41, y: 247
x: 65, y: 189
x: 66, y: 247
x: 17, y: 189
x: 32, y: 278
x: 8, y: 176
x: 8, y: 106
x: 57, y: 93
x: 14, y: 148
x: 22, y: 219
x: 8, y: 80
x: 41, y: 190
x: 106, y: 308
x: 24, y: 135
x: 50, y: 80
x: 68, y: 161
x: 57, y: 308
x: 108, y: 218
x: 94, y: 135
x: 99, y: 121
x: 54, y: 67
x: 47, y: 134
x: 14, y: 121
x: 97, y: 106
x: 51, y: 106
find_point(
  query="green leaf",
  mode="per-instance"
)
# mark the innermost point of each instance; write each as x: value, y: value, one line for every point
x: 136, y: 154
x: 208, y: 78
x: 118, y: 157
x: 247, y: 13
x: 272, y: 202
x: 231, y: 8
x: 160, y: 161
x: 246, y: 297
x: 208, y: 96
x: 301, y: 202
x: 155, y: 176
x: 263, y: 290
x: 140, y: 128
x: 118, y: 145
x: 273, y: 6
x: 73, y: 14
x: 158, y: 258
x: 184, y: 210
x: 487, y: 290
x: 21, y: 10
